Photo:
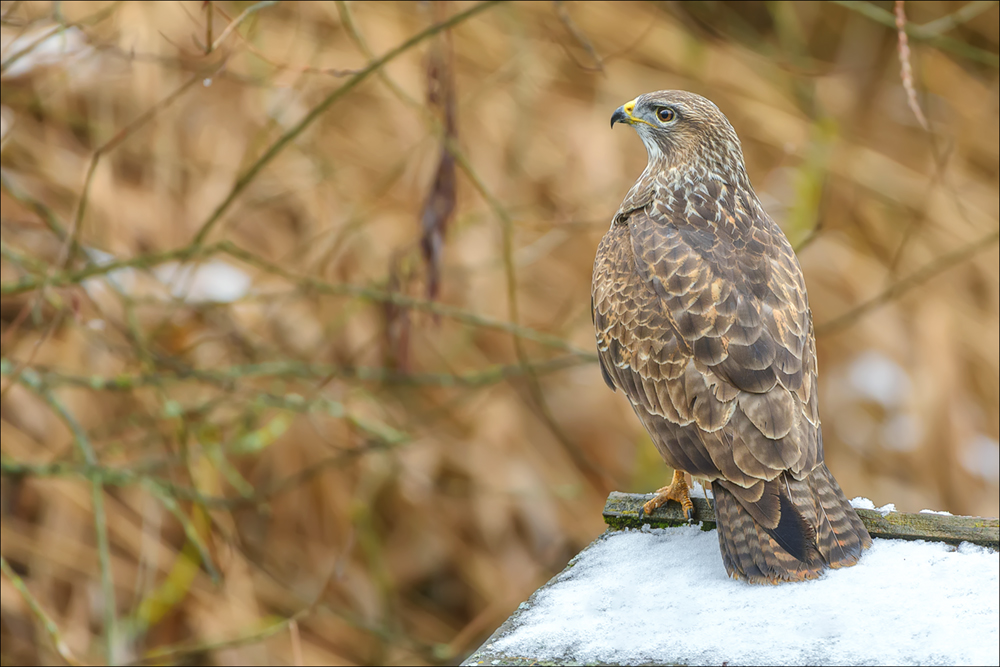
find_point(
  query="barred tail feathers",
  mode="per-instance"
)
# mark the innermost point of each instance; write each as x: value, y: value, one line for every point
x: 792, y: 532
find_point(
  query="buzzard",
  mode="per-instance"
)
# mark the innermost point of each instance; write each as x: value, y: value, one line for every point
x: 702, y: 321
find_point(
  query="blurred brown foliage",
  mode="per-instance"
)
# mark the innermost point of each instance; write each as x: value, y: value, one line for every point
x: 234, y: 428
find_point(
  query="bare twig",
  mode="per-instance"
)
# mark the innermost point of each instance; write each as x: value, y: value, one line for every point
x: 904, y: 285
x: 250, y: 174
x: 907, y: 70
x: 936, y: 40
x: 296, y: 641
x: 244, y: 15
x: 28, y: 283
x: 378, y: 296
x: 30, y: 47
x: 507, y: 253
x: 962, y: 15
x: 31, y: 283
x: 579, y: 36
x: 48, y: 217
x: 209, y: 15
x: 36, y: 608
x: 177, y: 651
x: 97, y: 505
x: 114, y: 142
x: 226, y: 376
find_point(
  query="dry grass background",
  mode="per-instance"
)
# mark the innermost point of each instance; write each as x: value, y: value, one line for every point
x: 251, y: 437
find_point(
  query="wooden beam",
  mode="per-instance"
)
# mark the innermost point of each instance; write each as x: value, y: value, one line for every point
x: 622, y: 511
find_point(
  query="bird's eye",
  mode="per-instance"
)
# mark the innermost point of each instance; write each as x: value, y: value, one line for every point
x: 666, y: 114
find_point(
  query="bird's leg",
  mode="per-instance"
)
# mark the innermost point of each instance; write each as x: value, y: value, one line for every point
x: 678, y: 490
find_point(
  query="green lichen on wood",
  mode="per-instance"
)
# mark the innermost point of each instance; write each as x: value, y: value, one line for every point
x: 622, y: 511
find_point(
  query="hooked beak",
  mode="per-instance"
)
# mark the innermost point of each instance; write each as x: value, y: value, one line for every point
x: 623, y: 114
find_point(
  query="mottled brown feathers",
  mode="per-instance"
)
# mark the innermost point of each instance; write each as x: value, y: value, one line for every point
x: 702, y: 321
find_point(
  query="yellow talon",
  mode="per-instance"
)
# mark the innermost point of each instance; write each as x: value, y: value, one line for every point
x: 678, y: 491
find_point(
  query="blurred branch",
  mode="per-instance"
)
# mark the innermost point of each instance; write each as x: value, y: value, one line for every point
x: 48, y: 217
x: 907, y: 69
x: 22, y: 261
x: 507, y: 250
x: 302, y: 370
x: 244, y: 15
x: 50, y: 626
x: 30, y: 283
x: 118, y: 476
x: 966, y: 13
x: 305, y: 69
x: 61, y: 25
x: 347, y: 18
x: 507, y: 253
x: 921, y: 33
x: 9, y: 11
x: 379, y: 296
x: 904, y: 285
x: 116, y: 140
x: 209, y: 24
x: 250, y: 174
x: 190, y: 532
x: 30, y: 47
x: 177, y: 652
x: 30, y: 380
x: 579, y: 36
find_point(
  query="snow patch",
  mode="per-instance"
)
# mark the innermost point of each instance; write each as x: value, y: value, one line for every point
x: 886, y: 509
x: 213, y: 281
x: 861, y: 503
x: 981, y: 457
x: 44, y: 46
x: 878, y: 378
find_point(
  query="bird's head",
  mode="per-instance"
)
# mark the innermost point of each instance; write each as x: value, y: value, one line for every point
x: 681, y: 128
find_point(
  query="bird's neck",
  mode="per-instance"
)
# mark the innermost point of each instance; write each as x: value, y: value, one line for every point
x: 643, y: 190
x: 674, y: 182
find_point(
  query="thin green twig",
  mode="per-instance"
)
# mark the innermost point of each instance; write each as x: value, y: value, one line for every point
x: 125, y: 477
x: 169, y: 654
x: 962, y: 15
x: 904, y: 285
x: 379, y: 296
x: 30, y: 380
x: 36, y: 608
x: 147, y: 261
x: 189, y: 529
x: 507, y: 254
x: 244, y: 15
x: 112, y: 143
x: 250, y: 174
x: 931, y: 36
x: 48, y: 217
x: 306, y: 371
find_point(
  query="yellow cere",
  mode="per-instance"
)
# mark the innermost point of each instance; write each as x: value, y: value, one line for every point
x: 628, y: 107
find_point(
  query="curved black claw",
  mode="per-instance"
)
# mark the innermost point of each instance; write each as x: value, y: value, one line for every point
x: 690, y: 514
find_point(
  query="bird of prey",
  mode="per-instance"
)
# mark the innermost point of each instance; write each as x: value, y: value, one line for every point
x: 702, y: 320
